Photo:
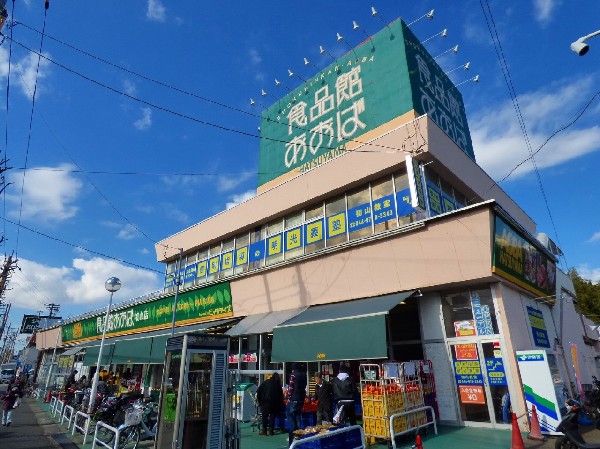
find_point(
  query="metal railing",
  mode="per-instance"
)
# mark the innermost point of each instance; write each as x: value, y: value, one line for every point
x: 53, y: 401
x: 115, y: 440
x: 58, y: 408
x: 84, y: 429
x: 350, y: 443
x: 411, y: 429
x: 70, y: 411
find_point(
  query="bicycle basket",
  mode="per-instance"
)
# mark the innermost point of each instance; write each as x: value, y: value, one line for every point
x: 133, y: 417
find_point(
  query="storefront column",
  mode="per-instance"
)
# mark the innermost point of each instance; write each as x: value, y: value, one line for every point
x: 260, y: 352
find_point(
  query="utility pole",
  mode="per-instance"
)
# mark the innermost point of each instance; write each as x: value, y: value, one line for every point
x: 5, y: 272
x: 52, y: 308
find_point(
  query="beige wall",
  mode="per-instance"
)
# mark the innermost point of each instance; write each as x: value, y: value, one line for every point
x: 370, y: 160
x: 451, y: 249
x: 47, y: 339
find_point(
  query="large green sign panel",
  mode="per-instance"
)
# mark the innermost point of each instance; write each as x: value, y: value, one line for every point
x: 381, y: 79
x: 208, y: 303
x: 518, y: 260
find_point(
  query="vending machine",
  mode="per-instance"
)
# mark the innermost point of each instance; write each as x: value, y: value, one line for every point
x: 195, y: 403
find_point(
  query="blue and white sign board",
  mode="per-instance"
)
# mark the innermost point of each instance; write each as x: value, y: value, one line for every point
x: 483, y: 319
x: 539, y: 389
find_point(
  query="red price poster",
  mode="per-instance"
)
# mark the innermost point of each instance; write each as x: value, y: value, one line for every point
x: 471, y: 394
x: 466, y: 352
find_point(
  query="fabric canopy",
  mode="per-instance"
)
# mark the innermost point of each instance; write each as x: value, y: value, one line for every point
x: 350, y: 330
x: 71, y: 352
x: 132, y: 351
x: 91, y: 355
x: 262, y: 322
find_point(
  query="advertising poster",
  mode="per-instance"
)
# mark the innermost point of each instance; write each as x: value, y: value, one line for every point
x: 471, y: 394
x: 538, y: 327
x: 464, y: 328
x: 539, y: 388
x: 466, y: 352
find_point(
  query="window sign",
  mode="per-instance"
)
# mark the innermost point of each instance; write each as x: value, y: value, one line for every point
x: 435, y: 200
x: 384, y: 209
x: 336, y: 225
x: 274, y: 245
x: 468, y: 372
x: 169, y: 280
x: 448, y: 204
x: 471, y: 394
x: 213, y: 265
x: 359, y: 217
x: 495, y: 372
x: 241, y: 256
x: 227, y: 260
x: 201, y: 269
x: 293, y: 239
x: 464, y: 328
x: 190, y: 273
x: 483, y: 319
x: 404, y: 201
x: 313, y: 232
x: 257, y: 251
x: 466, y: 352
x: 538, y: 327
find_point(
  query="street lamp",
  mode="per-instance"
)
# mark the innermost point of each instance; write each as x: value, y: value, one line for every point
x: 112, y: 284
x: 580, y: 47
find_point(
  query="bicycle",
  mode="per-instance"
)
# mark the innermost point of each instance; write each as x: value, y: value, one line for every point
x: 140, y: 424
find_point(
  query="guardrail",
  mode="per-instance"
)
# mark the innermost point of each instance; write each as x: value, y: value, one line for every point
x: 70, y: 411
x: 411, y: 429
x: 351, y: 442
x: 115, y: 440
x: 58, y: 408
x: 53, y: 401
x: 84, y: 429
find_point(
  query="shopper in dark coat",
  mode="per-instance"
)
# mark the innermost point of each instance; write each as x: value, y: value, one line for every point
x: 296, y: 396
x: 324, y: 396
x: 270, y: 399
x: 9, y: 403
x: 344, y: 392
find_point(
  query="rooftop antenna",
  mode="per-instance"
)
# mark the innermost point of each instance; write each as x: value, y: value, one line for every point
x: 375, y: 13
x: 442, y: 33
x: 340, y: 38
x: 453, y: 50
x: 428, y: 16
x: 466, y: 67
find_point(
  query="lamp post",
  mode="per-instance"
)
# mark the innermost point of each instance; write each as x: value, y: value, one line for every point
x: 580, y: 47
x: 112, y: 284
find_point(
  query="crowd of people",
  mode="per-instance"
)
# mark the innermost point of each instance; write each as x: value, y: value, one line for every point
x: 335, y: 399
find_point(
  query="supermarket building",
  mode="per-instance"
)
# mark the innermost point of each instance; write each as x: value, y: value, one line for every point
x: 374, y: 236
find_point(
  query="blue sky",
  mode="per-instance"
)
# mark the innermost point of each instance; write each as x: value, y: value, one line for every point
x: 116, y: 162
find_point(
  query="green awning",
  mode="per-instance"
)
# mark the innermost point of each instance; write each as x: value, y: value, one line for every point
x: 157, y: 354
x: 351, y: 330
x: 133, y: 350
x: 91, y: 355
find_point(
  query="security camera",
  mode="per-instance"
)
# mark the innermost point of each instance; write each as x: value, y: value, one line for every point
x: 580, y: 48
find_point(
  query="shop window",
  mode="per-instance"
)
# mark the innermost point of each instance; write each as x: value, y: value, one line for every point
x: 335, y: 221
x: 292, y: 237
x: 406, y: 212
x: 314, y: 229
x: 256, y: 250
x: 360, y: 217
x: 227, y: 258
x: 214, y: 262
x: 274, y: 244
x: 460, y: 199
x: 384, y: 205
x: 190, y: 269
x: 469, y: 313
x: 241, y: 253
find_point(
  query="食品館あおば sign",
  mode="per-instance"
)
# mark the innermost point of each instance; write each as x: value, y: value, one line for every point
x: 205, y: 304
x: 381, y: 79
x: 517, y: 259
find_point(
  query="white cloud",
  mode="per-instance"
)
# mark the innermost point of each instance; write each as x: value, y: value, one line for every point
x: 543, y: 10
x: 230, y: 182
x: 587, y: 272
x: 499, y: 143
x: 240, y: 198
x: 128, y: 232
x: 595, y: 237
x: 145, y: 121
x: 25, y: 71
x: 256, y: 62
x: 36, y: 284
x: 48, y: 194
x: 129, y: 87
x: 156, y: 11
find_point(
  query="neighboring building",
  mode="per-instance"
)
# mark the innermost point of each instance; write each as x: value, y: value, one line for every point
x: 374, y: 236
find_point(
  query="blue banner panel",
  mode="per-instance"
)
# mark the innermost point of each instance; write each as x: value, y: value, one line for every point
x: 538, y: 327
x: 190, y: 273
x: 359, y: 217
x: 257, y: 251
x: 468, y: 372
x: 293, y: 239
x: 495, y: 371
x: 313, y: 232
x: 384, y: 209
x: 404, y: 201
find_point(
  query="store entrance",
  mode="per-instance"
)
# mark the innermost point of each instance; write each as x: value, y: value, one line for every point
x: 481, y: 384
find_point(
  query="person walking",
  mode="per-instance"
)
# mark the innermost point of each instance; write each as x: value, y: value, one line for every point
x: 344, y: 391
x: 296, y: 395
x: 324, y: 396
x: 9, y: 403
x: 269, y: 396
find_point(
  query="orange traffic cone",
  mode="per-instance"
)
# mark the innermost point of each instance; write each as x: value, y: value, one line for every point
x: 517, y: 438
x: 48, y: 396
x: 535, y: 433
x: 418, y: 443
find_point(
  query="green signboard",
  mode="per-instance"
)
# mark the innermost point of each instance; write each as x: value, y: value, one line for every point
x: 205, y: 304
x: 518, y: 260
x: 381, y: 79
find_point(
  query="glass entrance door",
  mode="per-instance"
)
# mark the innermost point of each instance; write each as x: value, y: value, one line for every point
x: 481, y: 383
